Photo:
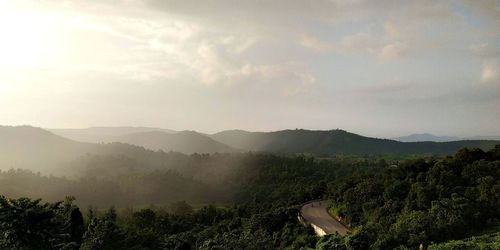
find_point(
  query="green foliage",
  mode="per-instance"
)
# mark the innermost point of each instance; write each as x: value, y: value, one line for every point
x: 421, y: 201
x: 30, y: 224
x: 336, y: 142
x: 391, y: 204
x: 483, y: 242
x: 181, y: 208
x: 104, y: 233
x: 331, y: 242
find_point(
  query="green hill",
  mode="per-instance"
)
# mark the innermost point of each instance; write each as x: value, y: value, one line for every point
x: 103, y: 134
x: 40, y: 150
x: 186, y: 142
x: 334, y: 142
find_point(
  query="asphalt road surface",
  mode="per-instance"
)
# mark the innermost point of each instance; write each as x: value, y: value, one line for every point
x: 316, y: 213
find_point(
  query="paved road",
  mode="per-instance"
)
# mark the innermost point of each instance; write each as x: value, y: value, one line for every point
x: 316, y: 213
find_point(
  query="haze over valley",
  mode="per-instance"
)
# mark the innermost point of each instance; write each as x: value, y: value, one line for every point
x: 249, y: 125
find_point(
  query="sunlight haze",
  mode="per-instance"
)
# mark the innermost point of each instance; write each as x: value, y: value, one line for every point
x: 380, y: 68
x: 249, y: 124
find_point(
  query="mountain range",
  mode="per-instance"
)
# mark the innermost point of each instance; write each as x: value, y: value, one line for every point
x: 426, y: 137
x: 103, y: 134
x: 333, y: 142
x: 435, y: 138
x: 187, y: 142
x: 319, y: 142
x: 36, y: 148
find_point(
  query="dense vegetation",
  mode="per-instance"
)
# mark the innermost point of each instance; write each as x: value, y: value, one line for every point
x: 422, y: 201
x: 483, y: 242
x: 390, y: 203
x: 120, y: 181
x: 335, y: 142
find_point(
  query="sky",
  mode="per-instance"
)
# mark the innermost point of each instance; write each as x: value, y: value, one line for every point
x: 381, y: 68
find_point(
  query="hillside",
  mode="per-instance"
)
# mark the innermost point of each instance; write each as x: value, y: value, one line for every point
x: 435, y: 138
x: 336, y: 142
x: 103, y: 134
x: 426, y: 137
x: 389, y: 204
x: 187, y: 142
x: 40, y: 150
x: 37, y: 149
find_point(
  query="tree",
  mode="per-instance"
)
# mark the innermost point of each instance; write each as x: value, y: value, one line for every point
x: 331, y: 242
x: 30, y: 224
x: 181, y: 208
x: 104, y: 233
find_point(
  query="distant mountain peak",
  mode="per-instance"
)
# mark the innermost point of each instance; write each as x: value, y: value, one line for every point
x: 420, y: 137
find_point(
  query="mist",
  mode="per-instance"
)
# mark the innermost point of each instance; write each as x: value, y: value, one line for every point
x: 432, y: 66
x: 217, y: 124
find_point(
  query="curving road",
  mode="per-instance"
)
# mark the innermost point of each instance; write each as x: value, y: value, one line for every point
x: 316, y: 214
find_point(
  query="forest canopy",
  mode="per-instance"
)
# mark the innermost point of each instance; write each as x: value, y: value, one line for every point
x: 255, y: 198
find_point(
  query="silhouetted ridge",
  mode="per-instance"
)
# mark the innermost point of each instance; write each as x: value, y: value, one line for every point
x: 330, y: 142
x: 187, y: 142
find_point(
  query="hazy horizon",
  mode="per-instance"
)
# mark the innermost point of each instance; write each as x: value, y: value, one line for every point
x: 168, y: 130
x: 217, y: 131
x: 383, y: 69
x: 376, y: 124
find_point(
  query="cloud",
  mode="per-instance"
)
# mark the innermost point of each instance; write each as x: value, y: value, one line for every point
x: 391, y: 30
x: 487, y: 10
x: 490, y: 73
x: 365, y: 43
x: 314, y: 43
x: 390, y: 87
x: 360, y: 41
x: 293, y: 78
x: 489, y: 55
x: 393, y: 51
x: 283, y: 53
x: 485, y: 50
x: 354, y: 43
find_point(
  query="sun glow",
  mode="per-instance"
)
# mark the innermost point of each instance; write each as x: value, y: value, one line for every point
x: 28, y: 37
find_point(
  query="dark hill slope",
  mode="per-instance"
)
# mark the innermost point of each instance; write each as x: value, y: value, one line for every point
x: 426, y: 137
x: 39, y: 150
x: 187, y: 142
x: 336, y: 142
x: 103, y: 134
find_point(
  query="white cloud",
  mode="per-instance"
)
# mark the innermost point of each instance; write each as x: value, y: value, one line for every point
x: 369, y: 44
x: 291, y: 78
x: 485, y: 50
x: 238, y: 44
x: 220, y: 49
x: 315, y: 43
x: 359, y: 42
x: 393, y: 51
x: 391, y: 30
x: 490, y: 72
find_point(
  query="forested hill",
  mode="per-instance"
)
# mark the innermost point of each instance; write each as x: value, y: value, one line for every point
x: 26, y: 147
x: 334, y: 142
x: 103, y: 134
x: 40, y: 150
x: 439, y: 202
x: 426, y: 137
x: 37, y: 149
x: 187, y: 142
